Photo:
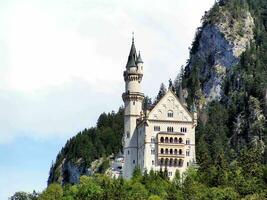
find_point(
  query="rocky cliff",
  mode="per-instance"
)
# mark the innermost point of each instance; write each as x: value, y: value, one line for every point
x: 218, y: 46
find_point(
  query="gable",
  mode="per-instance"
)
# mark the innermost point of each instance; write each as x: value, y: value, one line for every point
x: 169, y: 103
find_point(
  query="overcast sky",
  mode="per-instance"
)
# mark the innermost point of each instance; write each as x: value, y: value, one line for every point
x: 61, y: 65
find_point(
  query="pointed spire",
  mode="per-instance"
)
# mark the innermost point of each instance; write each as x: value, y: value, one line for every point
x: 132, y: 56
x: 139, y: 59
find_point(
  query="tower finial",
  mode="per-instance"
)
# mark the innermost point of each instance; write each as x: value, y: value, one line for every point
x: 133, y: 37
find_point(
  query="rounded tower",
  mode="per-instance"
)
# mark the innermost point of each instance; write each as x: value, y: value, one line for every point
x: 133, y: 98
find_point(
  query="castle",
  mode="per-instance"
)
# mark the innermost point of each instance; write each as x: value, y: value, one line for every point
x: 159, y: 138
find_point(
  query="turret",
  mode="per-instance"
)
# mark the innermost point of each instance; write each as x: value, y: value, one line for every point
x: 133, y: 99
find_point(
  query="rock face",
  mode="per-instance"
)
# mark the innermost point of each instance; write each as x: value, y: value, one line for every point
x: 67, y: 172
x: 220, y: 43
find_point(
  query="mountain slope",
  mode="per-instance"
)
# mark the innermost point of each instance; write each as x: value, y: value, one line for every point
x: 226, y: 77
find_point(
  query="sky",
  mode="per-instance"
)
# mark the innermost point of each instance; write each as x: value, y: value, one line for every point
x: 61, y: 65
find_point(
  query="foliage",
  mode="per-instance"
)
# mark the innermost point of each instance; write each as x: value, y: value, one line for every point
x: 153, y: 186
x: 91, y: 144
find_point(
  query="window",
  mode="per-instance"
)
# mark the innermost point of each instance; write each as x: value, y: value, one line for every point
x: 187, y: 164
x: 187, y: 141
x: 152, y: 139
x: 169, y: 173
x: 128, y: 152
x: 166, y: 139
x: 153, y: 162
x: 171, y: 151
x: 156, y: 128
x: 180, y: 162
x: 169, y: 129
x: 175, y: 151
x: 187, y: 153
x: 134, y: 103
x: 128, y: 134
x: 162, y: 139
x: 170, y: 113
x: 175, y: 140
x: 180, y: 152
x: 162, y: 151
x: 171, y: 140
x: 183, y: 129
x: 166, y: 151
x: 152, y: 151
x: 180, y: 140
x: 133, y: 161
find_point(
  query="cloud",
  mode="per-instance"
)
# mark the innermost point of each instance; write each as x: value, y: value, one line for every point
x: 61, y: 60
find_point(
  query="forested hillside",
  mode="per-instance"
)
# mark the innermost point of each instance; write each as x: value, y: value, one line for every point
x: 76, y: 156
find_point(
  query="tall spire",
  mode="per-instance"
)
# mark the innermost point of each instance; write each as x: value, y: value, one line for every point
x: 132, y: 56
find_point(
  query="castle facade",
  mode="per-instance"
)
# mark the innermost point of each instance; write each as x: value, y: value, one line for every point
x: 158, y: 138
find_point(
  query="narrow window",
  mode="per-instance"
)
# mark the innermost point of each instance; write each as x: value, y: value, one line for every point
x: 187, y: 164
x: 156, y: 128
x: 171, y: 151
x: 166, y: 139
x: 170, y: 113
x: 153, y: 162
x: 128, y: 152
x: 133, y: 161
x: 187, y: 141
x: 166, y: 151
x: 128, y: 134
x: 134, y: 103
x: 187, y: 153
x: 162, y: 139
x: 175, y: 151
x: 169, y: 129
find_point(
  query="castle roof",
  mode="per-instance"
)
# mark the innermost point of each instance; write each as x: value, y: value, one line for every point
x: 139, y: 59
x: 132, y: 56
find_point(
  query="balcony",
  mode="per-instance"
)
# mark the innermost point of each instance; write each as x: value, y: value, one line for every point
x: 163, y: 155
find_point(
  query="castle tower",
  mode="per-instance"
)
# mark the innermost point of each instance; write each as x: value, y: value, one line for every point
x: 133, y: 98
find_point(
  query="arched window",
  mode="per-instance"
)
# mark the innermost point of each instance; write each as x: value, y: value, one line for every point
x: 180, y: 163
x: 171, y: 140
x: 166, y: 151
x: 175, y: 151
x: 166, y: 161
x: 171, y: 162
x: 175, y: 162
x: 162, y: 161
x: 180, y: 140
x: 162, y: 151
x: 180, y: 152
x: 175, y: 140
x: 170, y: 113
x: 162, y: 139
x: 171, y: 151
x: 166, y: 139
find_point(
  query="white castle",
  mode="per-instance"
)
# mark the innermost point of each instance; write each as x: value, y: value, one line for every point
x: 159, y: 138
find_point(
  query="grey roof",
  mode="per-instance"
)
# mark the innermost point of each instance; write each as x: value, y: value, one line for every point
x: 139, y: 59
x: 132, y: 56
